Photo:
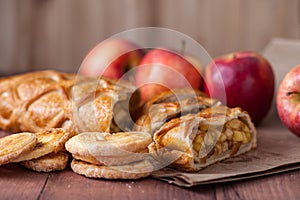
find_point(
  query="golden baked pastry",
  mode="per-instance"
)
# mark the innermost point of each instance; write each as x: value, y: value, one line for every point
x: 48, y: 163
x: 172, y: 96
x: 48, y: 99
x: 49, y: 141
x: 160, y: 111
x: 134, y: 170
x: 109, y: 149
x: 15, y: 145
x: 194, y: 141
x: 122, y: 155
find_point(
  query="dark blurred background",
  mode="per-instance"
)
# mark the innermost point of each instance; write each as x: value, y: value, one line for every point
x: 57, y: 34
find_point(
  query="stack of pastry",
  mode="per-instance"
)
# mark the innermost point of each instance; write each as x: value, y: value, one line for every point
x: 48, y: 99
x: 121, y: 155
x: 43, y: 151
x: 183, y: 129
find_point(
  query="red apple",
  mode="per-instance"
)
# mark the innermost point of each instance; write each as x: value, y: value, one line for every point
x: 162, y: 70
x: 111, y: 58
x: 288, y: 100
x: 242, y: 79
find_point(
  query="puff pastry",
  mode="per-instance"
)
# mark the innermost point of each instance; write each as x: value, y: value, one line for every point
x: 49, y: 99
x: 172, y: 96
x: 48, y: 163
x: 194, y: 141
x: 109, y: 149
x: 134, y: 170
x: 15, y: 145
x: 168, y: 105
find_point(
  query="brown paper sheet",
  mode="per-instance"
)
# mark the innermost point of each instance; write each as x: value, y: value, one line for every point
x: 277, y: 149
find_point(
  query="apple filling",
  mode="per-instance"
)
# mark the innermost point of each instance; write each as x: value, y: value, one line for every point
x: 194, y: 141
x: 211, y: 141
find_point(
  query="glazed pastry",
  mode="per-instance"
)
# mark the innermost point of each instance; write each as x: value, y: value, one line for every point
x: 48, y: 141
x: 195, y: 141
x: 167, y: 106
x: 134, y: 170
x: 47, y: 99
x: 15, y: 145
x: 121, y: 155
x: 109, y: 149
x: 48, y: 163
x: 173, y: 96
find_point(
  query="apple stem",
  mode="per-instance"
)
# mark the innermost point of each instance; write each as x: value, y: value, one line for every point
x: 290, y: 93
x: 183, y: 46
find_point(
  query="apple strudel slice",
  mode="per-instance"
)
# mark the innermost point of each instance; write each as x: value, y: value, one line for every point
x: 172, y: 96
x: 194, y: 141
x: 159, y: 113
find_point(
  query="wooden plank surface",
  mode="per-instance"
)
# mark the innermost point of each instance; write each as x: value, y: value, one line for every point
x: 280, y: 186
x: 68, y: 185
x: 17, y: 182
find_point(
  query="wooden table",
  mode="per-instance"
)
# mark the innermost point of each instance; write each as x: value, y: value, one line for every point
x: 17, y: 182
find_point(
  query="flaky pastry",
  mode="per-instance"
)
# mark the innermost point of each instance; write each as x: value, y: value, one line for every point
x: 15, y: 145
x: 194, y: 141
x: 109, y: 149
x: 48, y: 163
x: 134, y: 170
x: 157, y: 114
x: 48, y: 99
x: 48, y: 141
